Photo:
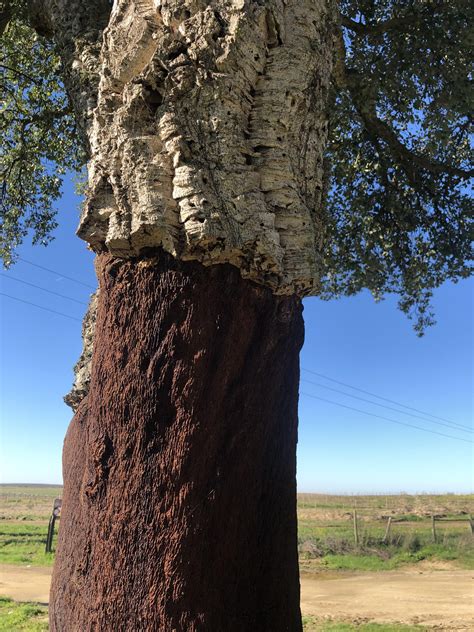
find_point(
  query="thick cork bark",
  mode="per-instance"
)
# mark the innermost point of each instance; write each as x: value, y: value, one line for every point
x: 179, y: 506
x: 209, y: 135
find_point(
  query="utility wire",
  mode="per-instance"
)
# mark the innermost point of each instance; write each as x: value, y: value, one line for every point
x: 69, y: 298
x: 56, y: 272
x: 46, y: 309
x: 363, y: 399
x: 400, y: 423
x: 461, y: 426
x: 391, y: 401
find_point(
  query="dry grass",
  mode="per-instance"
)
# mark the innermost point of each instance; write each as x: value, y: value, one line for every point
x: 30, y: 503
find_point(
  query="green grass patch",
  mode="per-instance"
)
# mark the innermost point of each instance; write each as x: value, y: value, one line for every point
x: 410, y: 518
x: 24, y: 617
x: 311, y: 624
x: 462, y: 552
x: 368, y: 562
x: 391, y: 558
x: 22, y: 543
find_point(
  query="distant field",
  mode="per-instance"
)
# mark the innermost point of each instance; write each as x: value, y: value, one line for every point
x: 327, y: 540
x: 325, y: 529
x: 28, y: 503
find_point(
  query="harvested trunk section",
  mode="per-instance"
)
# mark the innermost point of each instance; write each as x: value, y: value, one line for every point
x: 179, y: 507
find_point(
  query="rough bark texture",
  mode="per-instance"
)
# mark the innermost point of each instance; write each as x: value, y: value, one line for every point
x: 82, y: 369
x: 179, y: 506
x: 209, y: 134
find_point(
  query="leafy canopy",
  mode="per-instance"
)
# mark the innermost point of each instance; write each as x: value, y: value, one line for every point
x: 397, y: 209
x: 39, y: 140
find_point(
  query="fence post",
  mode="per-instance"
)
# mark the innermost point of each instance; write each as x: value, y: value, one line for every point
x: 49, y: 538
x: 356, y: 529
x: 433, y: 527
x: 471, y: 524
x: 54, y: 516
x: 387, y: 530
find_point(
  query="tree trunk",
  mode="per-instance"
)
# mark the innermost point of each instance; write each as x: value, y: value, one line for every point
x: 206, y: 126
x: 179, y: 506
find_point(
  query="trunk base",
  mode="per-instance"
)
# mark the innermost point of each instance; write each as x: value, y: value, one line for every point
x: 179, y: 506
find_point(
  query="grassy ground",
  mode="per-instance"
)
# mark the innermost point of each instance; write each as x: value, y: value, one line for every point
x: 340, y: 554
x: 31, y: 617
x: 310, y: 624
x: 23, y: 543
x: 28, y: 503
x: 27, y: 617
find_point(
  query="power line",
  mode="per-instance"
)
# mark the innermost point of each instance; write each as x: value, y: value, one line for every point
x: 363, y: 399
x: 56, y: 272
x: 46, y: 309
x: 69, y: 298
x: 400, y: 423
x: 461, y: 426
x: 391, y: 401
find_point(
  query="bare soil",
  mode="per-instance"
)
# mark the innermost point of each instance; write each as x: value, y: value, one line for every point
x: 24, y: 583
x: 435, y: 597
x: 438, y: 599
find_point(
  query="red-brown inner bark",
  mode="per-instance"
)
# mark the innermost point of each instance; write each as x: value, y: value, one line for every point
x: 179, y: 505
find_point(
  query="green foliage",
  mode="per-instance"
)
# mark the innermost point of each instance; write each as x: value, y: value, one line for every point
x: 27, y: 617
x: 39, y: 140
x: 398, y: 208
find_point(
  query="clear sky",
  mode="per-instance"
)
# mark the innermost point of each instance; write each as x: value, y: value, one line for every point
x: 355, y: 341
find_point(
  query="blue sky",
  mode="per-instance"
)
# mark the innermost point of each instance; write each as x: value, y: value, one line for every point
x: 356, y: 341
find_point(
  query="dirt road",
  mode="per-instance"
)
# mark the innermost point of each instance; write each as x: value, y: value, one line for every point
x: 24, y: 583
x: 443, y: 599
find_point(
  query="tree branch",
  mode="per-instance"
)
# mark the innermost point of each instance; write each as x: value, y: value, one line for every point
x: 20, y: 73
x: 410, y: 160
x: 393, y: 24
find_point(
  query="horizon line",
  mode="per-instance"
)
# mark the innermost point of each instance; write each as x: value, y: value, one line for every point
x: 314, y: 493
